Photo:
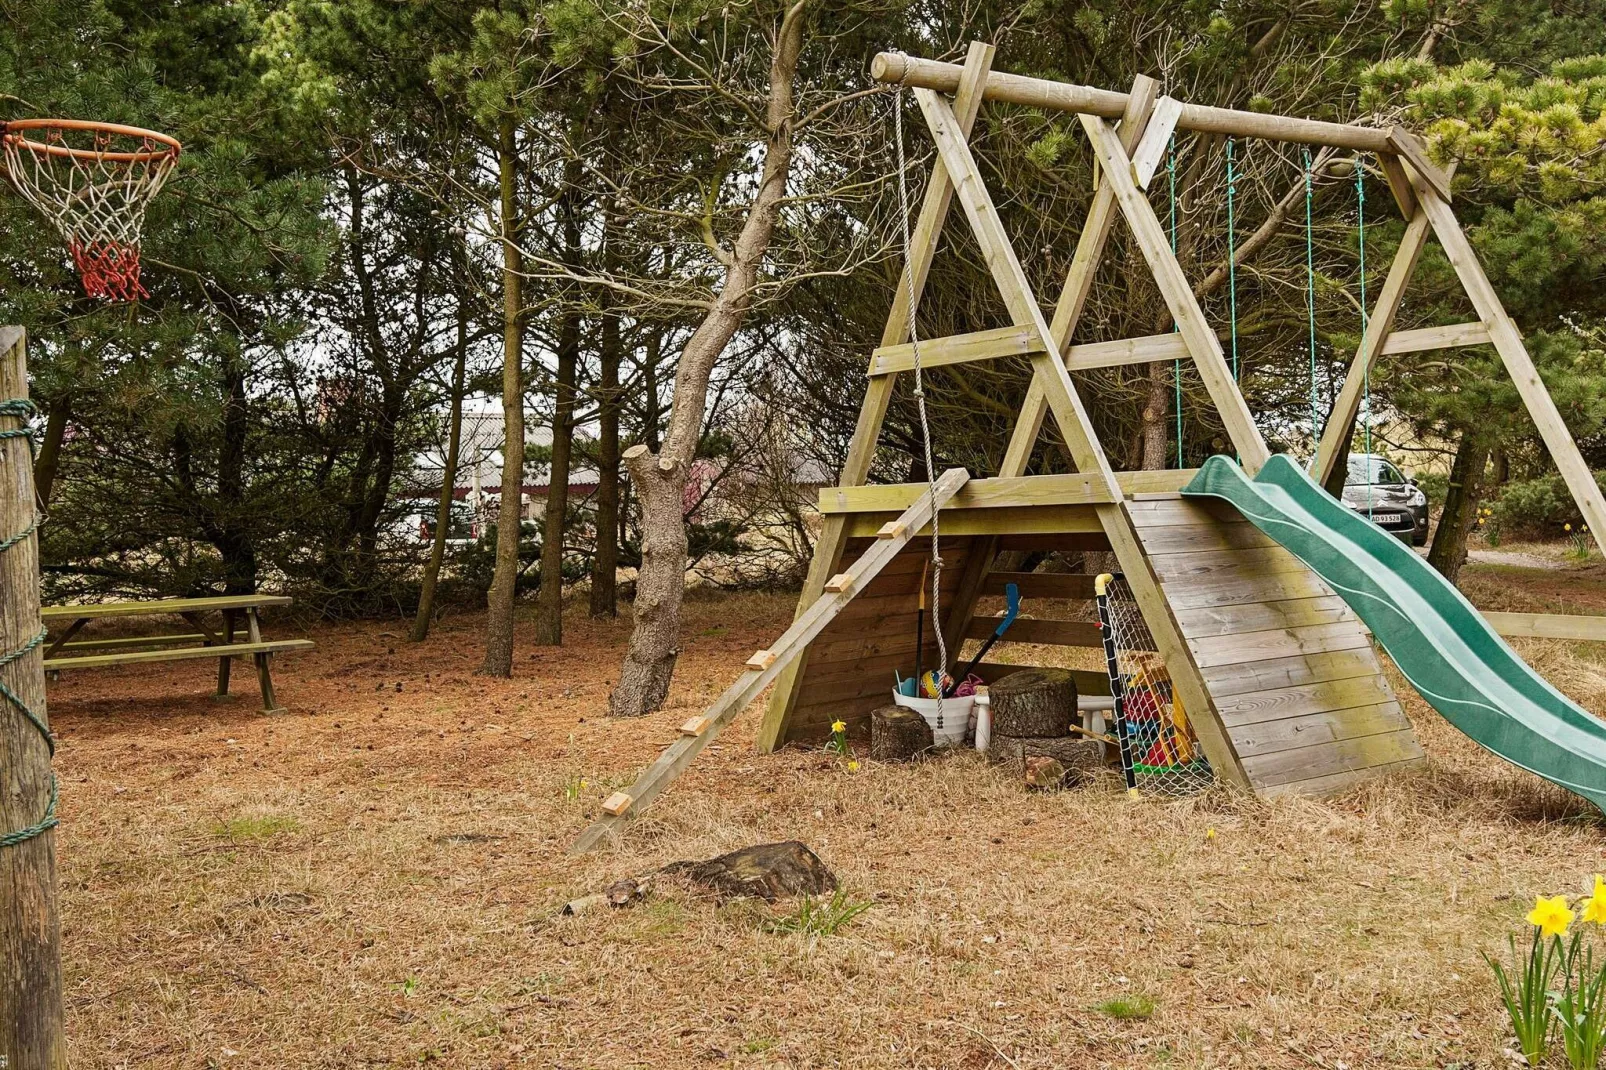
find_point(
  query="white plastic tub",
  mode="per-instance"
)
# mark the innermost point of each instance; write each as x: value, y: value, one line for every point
x: 955, y: 716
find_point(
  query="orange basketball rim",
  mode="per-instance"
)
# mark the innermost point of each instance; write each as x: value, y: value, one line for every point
x: 94, y: 182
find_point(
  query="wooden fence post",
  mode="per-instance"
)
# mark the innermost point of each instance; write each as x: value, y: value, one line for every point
x: 30, y: 930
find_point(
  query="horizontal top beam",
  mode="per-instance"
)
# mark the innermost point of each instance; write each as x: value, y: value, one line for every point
x: 898, y: 68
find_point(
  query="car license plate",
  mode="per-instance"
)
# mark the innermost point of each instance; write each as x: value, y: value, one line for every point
x: 1385, y: 518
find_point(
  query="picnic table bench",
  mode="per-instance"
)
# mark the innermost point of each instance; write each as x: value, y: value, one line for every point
x: 225, y: 643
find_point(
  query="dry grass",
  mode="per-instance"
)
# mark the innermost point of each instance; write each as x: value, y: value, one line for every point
x: 373, y: 880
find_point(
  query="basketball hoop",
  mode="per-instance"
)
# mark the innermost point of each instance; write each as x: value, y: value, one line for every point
x: 94, y: 182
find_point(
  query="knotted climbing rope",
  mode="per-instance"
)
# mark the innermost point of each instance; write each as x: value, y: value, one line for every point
x: 920, y: 402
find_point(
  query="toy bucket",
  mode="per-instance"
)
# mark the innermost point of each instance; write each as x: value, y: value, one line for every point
x: 955, y: 716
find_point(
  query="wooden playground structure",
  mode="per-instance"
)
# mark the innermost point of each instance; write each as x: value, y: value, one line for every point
x: 1279, y: 676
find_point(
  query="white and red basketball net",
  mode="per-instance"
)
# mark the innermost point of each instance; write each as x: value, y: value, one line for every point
x: 94, y: 183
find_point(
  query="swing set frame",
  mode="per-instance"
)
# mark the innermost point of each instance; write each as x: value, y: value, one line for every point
x: 852, y: 626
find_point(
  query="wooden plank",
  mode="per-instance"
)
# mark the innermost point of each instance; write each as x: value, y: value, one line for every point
x: 1519, y: 365
x: 1065, y: 543
x: 617, y: 804
x: 809, y: 624
x: 1121, y: 352
x: 1196, y: 331
x: 1278, y: 703
x: 1211, y: 650
x: 143, y: 657
x: 1334, y: 783
x: 1078, y: 279
x: 929, y: 74
x: 956, y: 349
x: 1019, y: 520
x: 1399, y: 184
x: 1239, y: 678
x: 1261, y: 561
x: 1261, y: 616
x: 761, y: 660
x: 1341, y: 419
x: 124, y: 641
x: 1315, y: 729
x: 1347, y: 755
x: 1174, y: 539
x: 1150, y: 513
x: 1041, y: 584
x: 829, y: 651
x: 996, y: 493
x: 1423, y: 339
x: 1156, y: 140
x: 828, y: 548
x: 1042, y: 631
x: 1162, y: 481
x: 1548, y: 626
x: 1185, y: 593
x: 163, y: 606
x: 838, y: 583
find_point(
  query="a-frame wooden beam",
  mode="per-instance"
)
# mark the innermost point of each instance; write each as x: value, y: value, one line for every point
x: 861, y: 451
x: 1075, y: 427
x: 1514, y: 355
x: 767, y: 664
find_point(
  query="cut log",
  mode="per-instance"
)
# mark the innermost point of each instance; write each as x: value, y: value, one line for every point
x: 898, y: 734
x: 1079, y: 757
x: 1034, y: 703
x: 767, y: 870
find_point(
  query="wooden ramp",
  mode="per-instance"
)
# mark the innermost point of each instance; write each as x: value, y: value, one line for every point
x: 1289, y: 668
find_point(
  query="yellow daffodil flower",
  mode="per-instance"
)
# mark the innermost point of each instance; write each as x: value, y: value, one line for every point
x: 853, y: 767
x: 1210, y: 834
x: 1595, y: 905
x: 1566, y: 527
x: 1551, y: 916
x: 839, y: 726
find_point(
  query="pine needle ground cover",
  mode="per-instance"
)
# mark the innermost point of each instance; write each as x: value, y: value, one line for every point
x: 374, y: 880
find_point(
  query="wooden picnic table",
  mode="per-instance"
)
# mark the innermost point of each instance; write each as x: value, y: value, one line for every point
x: 225, y: 643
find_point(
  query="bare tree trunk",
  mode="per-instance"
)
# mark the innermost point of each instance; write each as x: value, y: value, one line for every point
x: 661, y: 481
x: 30, y: 928
x: 443, y: 510
x: 1449, y: 550
x: 504, y: 581
x: 605, y: 562
x: 49, y: 458
x: 554, y: 523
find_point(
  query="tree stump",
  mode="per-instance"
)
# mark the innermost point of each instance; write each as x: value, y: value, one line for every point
x: 1034, y: 703
x: 768, y: 870
x: 898, y: 734
x: 1079, y: 758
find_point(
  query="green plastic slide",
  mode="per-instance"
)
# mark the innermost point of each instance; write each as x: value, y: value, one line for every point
x: 1439, y: 641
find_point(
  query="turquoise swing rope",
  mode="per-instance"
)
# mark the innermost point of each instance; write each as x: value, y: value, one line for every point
x: 1316, y: 427
x: 1171, y: 174
x: 1232, y: 260
x: 1366, y: 369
